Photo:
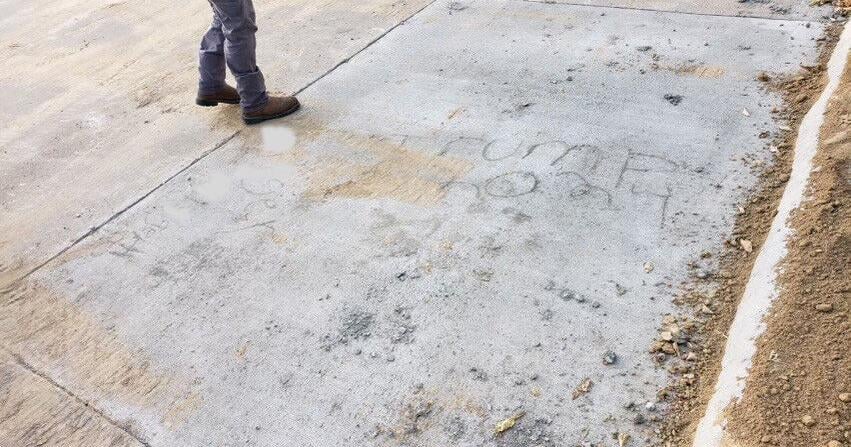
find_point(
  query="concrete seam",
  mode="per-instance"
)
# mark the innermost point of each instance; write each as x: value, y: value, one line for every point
x: 369, y: 44
x: 633, y: 8
x: 32, y: 370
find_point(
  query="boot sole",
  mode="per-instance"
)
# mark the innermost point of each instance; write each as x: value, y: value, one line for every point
x: 259, y: 119
x: 211, y: 103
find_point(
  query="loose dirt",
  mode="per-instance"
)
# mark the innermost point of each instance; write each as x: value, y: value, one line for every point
x: 691, y: 345
x: 803, y: 362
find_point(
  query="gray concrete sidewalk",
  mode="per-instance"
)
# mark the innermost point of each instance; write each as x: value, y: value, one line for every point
x: 464, y: 218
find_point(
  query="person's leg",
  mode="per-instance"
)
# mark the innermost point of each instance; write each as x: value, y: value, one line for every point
x: 237, y: 19
x: 211, y: 58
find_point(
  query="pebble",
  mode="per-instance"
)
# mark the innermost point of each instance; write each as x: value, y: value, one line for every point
x: 824, y: 307
x: 845, y: 397
x: 834, y: 443
x: 609, y: 358
x: 808, y: 420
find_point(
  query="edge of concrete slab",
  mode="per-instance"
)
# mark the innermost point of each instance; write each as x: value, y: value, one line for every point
x: 761, y: 288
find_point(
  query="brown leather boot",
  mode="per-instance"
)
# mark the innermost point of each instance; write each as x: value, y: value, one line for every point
x: 276, y: 107
x: 225, y: 95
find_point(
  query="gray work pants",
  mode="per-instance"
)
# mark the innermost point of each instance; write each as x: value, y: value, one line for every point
x: 230, y: 41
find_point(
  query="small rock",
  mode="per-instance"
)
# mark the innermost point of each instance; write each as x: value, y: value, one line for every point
x: 507, y: 424
x: 609, y: 358
x: 845, y: 397
x: 834, y: 443
x: 648, y: 267
x: 808, y: 420
x: 536, y: 392
x: 583, y: 388
x: 639, y: 419
x: 746, y: 245
x: 824, y: 307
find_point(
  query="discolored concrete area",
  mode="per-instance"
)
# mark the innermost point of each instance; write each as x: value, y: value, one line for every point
x: 463, y: 220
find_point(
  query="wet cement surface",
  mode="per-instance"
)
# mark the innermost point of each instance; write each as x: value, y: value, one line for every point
x: 458, y: 226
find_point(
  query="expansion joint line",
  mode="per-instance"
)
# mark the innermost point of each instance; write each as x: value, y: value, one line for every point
x: 32, y: 370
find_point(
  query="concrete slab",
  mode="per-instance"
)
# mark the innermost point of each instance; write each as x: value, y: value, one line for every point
x: 464, y: 218
x: 25, y: 398
x: 776, y: 9
x: 103, y: 106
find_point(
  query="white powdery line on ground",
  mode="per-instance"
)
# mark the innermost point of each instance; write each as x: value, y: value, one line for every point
x: 761, y: 288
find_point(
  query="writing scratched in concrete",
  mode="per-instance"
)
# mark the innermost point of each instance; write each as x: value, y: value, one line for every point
x: 588, y: 174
